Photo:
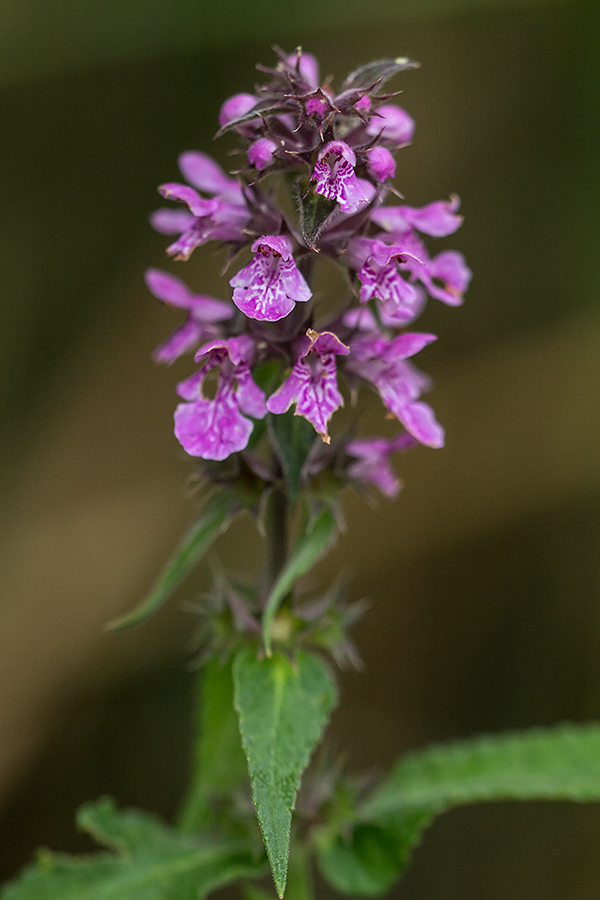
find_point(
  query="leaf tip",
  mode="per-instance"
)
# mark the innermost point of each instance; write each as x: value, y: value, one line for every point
x: 280, y: 878
x: 115, y: 624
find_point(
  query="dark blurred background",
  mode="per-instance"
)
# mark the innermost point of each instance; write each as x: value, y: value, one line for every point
x: 484, y: 575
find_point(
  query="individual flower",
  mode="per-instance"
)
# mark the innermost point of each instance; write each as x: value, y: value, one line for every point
x: 383, y: 362
x: 269, y: 287
x: 317, y: 105
x: 381, y: 163
x: 312, y: 383
x: 306, y: 65
x: 436, y: 219
x: 214, y: 429
x: 260, y: 153
x: 380, y: 275
x: 336, y: 179
x: 201, y: 171
x: 203, y: 312
x: 372, y: 461
x: 223, y: 216
x: 235, y: 107
x: 392, y: 124
x: 363, y: 105
x: 446, y: 277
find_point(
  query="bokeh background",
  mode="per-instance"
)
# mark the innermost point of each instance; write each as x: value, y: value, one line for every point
x: 484, y: 575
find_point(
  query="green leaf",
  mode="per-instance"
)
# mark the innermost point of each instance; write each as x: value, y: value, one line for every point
x: 561, y: 763
x: 313, y: 543
x: 368, y: 860
x: 376, y: 73
x: 283, y: 707
x: 150, y: 862
x: 219, y: 762
x: 194, y: 544
x: 293, y: 438
x: 365, y: 857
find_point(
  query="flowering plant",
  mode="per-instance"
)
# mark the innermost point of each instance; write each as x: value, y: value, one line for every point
x: 274, y: 363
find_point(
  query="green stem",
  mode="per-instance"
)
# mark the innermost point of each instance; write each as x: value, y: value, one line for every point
x: 299, y: 883
x: 218, y: 763
x: 276, y: 535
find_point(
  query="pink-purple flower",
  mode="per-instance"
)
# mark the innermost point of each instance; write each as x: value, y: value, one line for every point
x: 235, y: 107
x: 222, y: 216
x: 371, y: 463
x: 392, y: 124
x: 312, y: 383
x: 381, y: 163
x: 307, y: 66
x: 335, y: 178
x: 214, y: 429
x: 384, y: 363
x: 269, y: 287
x: 436, y: 219
x: 203, y: 314
x: 380, y: 274
x: 260, y: 153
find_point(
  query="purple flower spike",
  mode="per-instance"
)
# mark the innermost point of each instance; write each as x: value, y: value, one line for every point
x: 203, y: 312
x: 372, y: 465
x: 392, y: 124
x: 269, y: 287
x: 335, y: 177
x: 214, y: 429
x: 312, y: 383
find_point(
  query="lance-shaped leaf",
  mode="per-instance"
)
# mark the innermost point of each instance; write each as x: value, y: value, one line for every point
x: 378, y: 72
x: 149, y: 861
x: 561, y: 763
x: 283, y: 707
x: 219, y: 765
x: 192, y: 547
x: 367, y: 854
x: 312, y: 544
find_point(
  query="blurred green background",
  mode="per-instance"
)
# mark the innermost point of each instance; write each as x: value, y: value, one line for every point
x: 484, y: 575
